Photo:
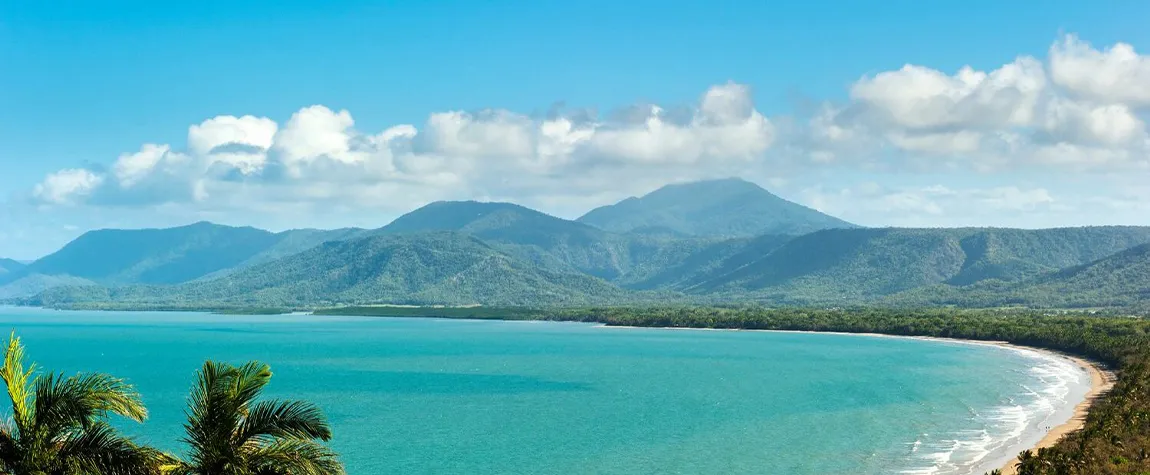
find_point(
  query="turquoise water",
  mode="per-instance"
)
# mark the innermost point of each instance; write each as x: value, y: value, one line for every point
x: 419, y: 396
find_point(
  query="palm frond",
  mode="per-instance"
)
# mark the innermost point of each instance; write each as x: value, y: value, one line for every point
x: 16, y: 377
x: 63, y: 402
x: 284, y: 419
x: 294, y: 457
x: 250, y: 380
x: 99, y: 450
x: 212, y: 417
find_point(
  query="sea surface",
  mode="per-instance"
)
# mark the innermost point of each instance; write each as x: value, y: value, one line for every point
x: 425, y: 396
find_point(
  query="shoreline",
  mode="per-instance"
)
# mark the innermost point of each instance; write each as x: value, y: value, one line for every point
x: 1100, y: 381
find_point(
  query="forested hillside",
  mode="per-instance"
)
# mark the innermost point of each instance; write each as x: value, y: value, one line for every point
x: 426, y: 268
x: 468, y: 252
x: 722, y: 208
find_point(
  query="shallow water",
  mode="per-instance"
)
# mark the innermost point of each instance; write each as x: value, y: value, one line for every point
x: 420, y: 396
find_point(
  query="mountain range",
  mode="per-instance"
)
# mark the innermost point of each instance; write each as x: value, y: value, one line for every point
x: 722, y: 241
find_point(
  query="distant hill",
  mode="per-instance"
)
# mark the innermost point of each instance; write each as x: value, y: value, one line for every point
x: 290, y: 242
x: 9, y: 266
x: 423, y: 268
x: 1119, y: 280
x: 160, y: 256
x: 716, y: 208
x: 850, y: 265
x: 547, y: 241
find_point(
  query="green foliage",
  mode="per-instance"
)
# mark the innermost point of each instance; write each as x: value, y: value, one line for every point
x: 230, y: 432
x: 58, y: 423
x: 425, y: 268
x: 717, y: 208
x: 865, y: 265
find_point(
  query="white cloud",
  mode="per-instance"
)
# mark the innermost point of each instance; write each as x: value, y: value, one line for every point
x: 1018, y: 117
x: 1076, y: 122
x: 319, y: 156
x: 313, y: 133
x: 130, y: 168
x: 67, y: 186
x: 1116, y: 75
x: 920, y: 98
x: 239, y: 142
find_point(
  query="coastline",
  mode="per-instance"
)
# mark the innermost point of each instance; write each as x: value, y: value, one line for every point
x: 1100, y: 381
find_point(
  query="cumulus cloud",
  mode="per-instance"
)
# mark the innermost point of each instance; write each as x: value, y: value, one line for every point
x: 67, y: 186
x: 1116, y: 75
x: 319, y: 155
x: 1080, y: 109
x: 919, y: 98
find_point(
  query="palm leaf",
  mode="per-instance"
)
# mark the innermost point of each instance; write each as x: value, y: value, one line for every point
x: 16, y: 377
x: 294, y: 457
x: 78, y: 400
x: 99, y: 450
x: 284, y: 419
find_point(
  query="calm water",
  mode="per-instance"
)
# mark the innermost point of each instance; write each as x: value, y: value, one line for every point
x: 474, y: 397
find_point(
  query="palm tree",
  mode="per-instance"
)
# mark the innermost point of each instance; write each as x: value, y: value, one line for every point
x: 229, y: 433
x: 58, y: 424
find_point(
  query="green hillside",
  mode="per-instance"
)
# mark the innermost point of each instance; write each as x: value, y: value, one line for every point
x: 717, y: 208
x: 154, y: 256
x: 549, y: 242
x: 425, y: 268
x: 1118, y: 280
x: 852, y: 265
x: 290, y: 242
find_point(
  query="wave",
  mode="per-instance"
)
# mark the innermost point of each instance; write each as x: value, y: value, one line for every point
x: 1006, y: 429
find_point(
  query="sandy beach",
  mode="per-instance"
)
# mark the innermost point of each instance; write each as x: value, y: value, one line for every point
x: 1101, y: 380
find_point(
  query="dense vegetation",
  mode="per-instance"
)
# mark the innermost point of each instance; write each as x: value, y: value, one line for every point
x: 462, y: 253
x: 1115, y: 440
x: 723, y: 208
x: 59, y: 426
x: 425, y: 268
x: 230, y: 432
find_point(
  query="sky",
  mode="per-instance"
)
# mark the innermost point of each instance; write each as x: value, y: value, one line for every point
x: 292, y: 114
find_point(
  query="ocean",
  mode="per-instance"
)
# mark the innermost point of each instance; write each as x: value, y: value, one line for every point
x: 427, y: 396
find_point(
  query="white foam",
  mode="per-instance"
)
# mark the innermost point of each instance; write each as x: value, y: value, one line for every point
x: 1005, y: 429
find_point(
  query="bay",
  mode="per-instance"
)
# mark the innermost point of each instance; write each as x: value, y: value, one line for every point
x: 425, y: 396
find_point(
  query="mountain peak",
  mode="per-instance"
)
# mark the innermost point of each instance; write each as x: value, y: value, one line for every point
x: 727, y: 207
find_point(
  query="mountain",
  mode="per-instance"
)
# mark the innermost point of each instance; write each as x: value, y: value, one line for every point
x: 851, y: 265
x: 153, y: 256
x: 700, y: 263
x: 424, y: 268
x: 1119, y: 280
x: 287, y: 243
x: 716, y: 208
x: 160, y: 256
x: 8, y: 266
x: 547, y: 241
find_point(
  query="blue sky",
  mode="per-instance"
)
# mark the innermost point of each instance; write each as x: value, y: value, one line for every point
x: 743, y: 88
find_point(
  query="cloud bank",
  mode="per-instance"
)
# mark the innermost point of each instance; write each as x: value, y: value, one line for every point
x: 1079, y: 111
